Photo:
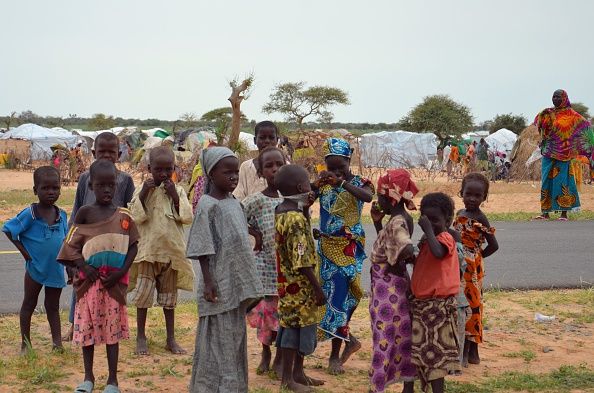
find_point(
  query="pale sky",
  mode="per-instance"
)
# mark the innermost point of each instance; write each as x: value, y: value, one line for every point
x: 159, y: 59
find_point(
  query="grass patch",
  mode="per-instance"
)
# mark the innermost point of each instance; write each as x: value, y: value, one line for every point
x: 26, y: 197
x: 525, y: 354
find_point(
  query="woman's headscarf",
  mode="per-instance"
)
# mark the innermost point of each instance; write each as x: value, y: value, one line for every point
x: 209, y: 158
x: 336, y: 147
x: 565, y: 133
x: 396, y: 184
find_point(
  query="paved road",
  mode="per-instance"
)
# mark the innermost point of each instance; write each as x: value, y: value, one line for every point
x: 531, y: 255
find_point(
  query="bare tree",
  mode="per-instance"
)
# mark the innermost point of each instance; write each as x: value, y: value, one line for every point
x: 239, y: 93
x: 9, y: 119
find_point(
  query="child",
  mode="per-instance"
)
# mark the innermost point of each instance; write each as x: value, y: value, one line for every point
x: 475, y: 229
x: 160, y: 210
x: 299, y: 291
x: 435, y: 284
x: 102, y: 244
x: 228, y: 282
x: 265, y: 134
x: 106, y: 147
x: 259, y: 212
x: 38, y: 232
x: 390, y: 284
x: 341, y: 247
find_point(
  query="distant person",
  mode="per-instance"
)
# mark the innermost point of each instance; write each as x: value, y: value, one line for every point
x: 453, y: 163
x: 562, y: 130
x: 106, y: 147
x: 38, y: 233
x: 160, y: 209
x: 101, y: 245
x: 265, y: 134
x: 482, y: 155
x: 446, y: 156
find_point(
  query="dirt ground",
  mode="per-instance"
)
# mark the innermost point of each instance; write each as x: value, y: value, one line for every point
x: 514, y: 342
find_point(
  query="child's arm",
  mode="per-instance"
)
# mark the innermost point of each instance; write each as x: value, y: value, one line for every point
x: 210, y: 292
x: 377, y: 216
x: 437, y: 249
x: 361, y: 193
x: 311, y: 276
x: 492, y: 245
x: 19, y: 246
x: 114, y: 277
x: 172, y: 192
x: 257, y: 236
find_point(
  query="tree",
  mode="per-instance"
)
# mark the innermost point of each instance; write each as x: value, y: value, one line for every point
x: 239, y: 92
x: 581, y: 109
x: 222, y: 118
x: 515, y: 123
x: 101, y: 122
x: 10, y: 119
x: 28, y: 117
x: 188, y: 120
x: 297, y: 103
x: 439, y: 114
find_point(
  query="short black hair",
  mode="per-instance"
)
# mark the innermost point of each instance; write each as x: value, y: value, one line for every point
x: 43, y: 172
x: 265, y: 123
x: 266, y: 150
x: 161, y: 151
x: 287, y: 178
x: 106, y: 136
x: 440, y: 201
x: 100, y: 166
x: 475, y: 176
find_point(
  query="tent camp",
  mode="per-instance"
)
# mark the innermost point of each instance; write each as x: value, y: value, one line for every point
x: 398, y: 149
x: 502, y: 140
x: 41, y: 139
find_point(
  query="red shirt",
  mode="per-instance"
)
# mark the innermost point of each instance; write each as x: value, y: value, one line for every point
x: 436, y: 278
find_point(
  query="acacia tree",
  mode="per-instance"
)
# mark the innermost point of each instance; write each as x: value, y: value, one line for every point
x: 438, y: 114
x: 101, y: 122
x: 296, y: 102
x: 8, y: 120
x: 188, y: 120
x: 515, y: 123
x: 582, y: 109
x: 239, y: 92
x: 222, y: 118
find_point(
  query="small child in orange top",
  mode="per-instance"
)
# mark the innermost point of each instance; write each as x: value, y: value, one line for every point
x: 475, y: 230
x: 435, y: 284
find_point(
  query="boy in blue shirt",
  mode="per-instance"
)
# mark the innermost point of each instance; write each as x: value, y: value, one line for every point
x: 38, y: 232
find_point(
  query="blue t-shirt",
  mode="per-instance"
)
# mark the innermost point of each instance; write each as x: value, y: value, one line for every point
x: 42, y: 242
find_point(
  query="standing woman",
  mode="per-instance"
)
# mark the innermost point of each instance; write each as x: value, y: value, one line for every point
x: 341, y: 247
x: 564, y: 133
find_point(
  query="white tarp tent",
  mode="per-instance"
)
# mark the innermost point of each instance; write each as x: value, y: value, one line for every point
x: 398, y: 149
x: 248, y: 140
x: 502, y: 140
x: 42, y: 139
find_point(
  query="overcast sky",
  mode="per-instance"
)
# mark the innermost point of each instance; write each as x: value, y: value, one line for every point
x: 159, y: 59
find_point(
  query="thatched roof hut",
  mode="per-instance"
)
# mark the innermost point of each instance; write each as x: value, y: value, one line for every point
x: 525, y: 146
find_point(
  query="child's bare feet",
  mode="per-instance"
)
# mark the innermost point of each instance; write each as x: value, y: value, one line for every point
x: 68, y: 336
x: 25, y: 349
x: 473, y: 355
x: 335, y: 367
x: 58, y: 348
x: 293, y: 386
x: 350, y: 348
x: 141, y: 346
x: 173, y: 347
x: 264, y: 366
x: 307, y: 381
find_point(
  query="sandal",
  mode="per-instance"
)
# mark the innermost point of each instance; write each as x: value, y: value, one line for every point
x: 563, y: 219
x: 541, y: 217
x: 85, y: 387
x: 111, y: 389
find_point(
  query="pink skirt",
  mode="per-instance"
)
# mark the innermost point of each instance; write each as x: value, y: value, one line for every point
x: 264, y: 317
x: 99, y: 319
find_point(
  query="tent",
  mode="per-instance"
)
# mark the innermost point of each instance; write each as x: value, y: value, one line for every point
x: 41, y: 139
x: 502, y: 140
x: 398, y: 149
x: 248, y: 141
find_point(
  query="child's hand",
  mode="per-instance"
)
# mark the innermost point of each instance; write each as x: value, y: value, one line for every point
x: 111, y: 279
x: 90, y: 272
x: 320, y: 297
x: 327, y: 177
x: 170, y: 188
x: 377, y: 215
x: 148, y: 185
x: 425, y: 224
x: 316, y: 233
x: 210, y: 292
x: 258, y: 238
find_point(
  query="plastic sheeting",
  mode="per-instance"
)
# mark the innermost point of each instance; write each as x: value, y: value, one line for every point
x: 42, y: 139
x: 502, y: 140
x: 398, y: 149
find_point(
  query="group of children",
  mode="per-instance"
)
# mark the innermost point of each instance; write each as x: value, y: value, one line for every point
x: 252, y: 237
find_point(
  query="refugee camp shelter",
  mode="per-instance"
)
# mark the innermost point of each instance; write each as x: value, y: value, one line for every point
x: 502, y: 140
x: 40, y: 140
x: 398, y: 149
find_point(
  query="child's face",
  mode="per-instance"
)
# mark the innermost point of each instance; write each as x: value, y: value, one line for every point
x: 266, y: 137
x: 436, y: 217
x: 339, y: 165
x: 103, y: 185
x: 107, y: 149
x: 48, y: 189
x: 473, y: 195
x: 161, y: 168
x: 225, y: 174
x: 272, y: 161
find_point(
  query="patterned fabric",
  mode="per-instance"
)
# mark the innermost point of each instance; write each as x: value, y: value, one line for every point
x: 434, y: 338
x: 264, y: 318
x: 159, y: 276
x: 104, y: 246
x: 565, y: 133
x: 336, y: 147
x: 196, y: 186
x: 464, y: 314
x: 396, y: 184
x: 42, y: 241
x: 558, y: 190
x: 259, y: 212
x: 342, y: 252
x: 473, y: 237
x: 219, y: 232
x: 295, y: 249
x: 99, y: 318
x: 461, y: 298
x: 249, y: 182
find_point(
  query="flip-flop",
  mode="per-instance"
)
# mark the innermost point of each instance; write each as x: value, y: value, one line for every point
x: 111, y: 389
x: 562, y: 219
x: 85, y: 387
x: 541, y: 217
